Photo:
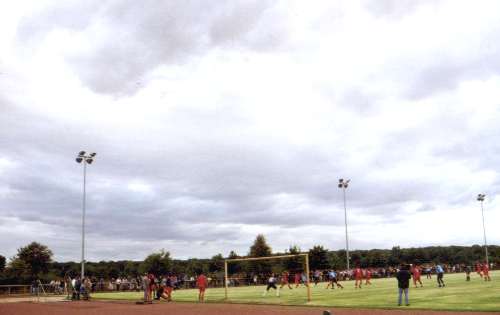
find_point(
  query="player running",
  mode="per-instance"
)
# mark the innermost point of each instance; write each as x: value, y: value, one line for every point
x: 416, y: 276
x: 332, y: 277
x: 486, y: 272
x: 440, y: 273
x: 316, y: 277
x: 479, y: 269
x: 284, y: 280
x: 368, y: 276
x: 358, y: 276
x: 271, y: 284
x: 202, y: 284
x: 297, y: 279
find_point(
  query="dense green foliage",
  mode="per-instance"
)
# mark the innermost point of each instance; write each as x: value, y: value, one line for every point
x: 458, y: 295
x: 34, y: 260
x: 2, y: 263
x: 31, y: 261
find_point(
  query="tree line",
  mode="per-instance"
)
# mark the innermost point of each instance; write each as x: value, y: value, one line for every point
x: 35, y: 260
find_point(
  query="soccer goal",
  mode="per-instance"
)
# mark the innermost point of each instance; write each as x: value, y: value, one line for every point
x: 249, y: 279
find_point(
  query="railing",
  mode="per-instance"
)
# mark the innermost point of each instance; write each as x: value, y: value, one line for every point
x: 26, y: 289
x: 16, y: 289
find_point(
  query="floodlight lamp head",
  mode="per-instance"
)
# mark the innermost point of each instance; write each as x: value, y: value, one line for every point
x: 89, y: 161
x: 347, y: 181
x: 341, y: 180
x: 79, y: 160
x: 93, y: 154
x: 340, y: 185
x: 82, y: 153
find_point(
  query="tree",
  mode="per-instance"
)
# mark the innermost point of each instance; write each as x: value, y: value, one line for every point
x: 294, y: 264
x: 216, y: 263
x: 2, y: 263
x: 335, y: 260
x: 233, y: 267
x: 36, y: 257
x: 318, y: 258
x: 260, y: 249
x: 395, y: 257
x: 157, y: 263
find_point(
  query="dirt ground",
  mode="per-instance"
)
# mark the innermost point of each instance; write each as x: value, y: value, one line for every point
x: 126, y: 308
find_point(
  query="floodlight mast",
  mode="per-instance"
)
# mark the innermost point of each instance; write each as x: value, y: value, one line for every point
x: 85, y: 159
x: 343, y: 185
x: 480, y: 198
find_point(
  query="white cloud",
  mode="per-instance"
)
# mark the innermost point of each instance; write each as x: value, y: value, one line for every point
x: 214, y: 124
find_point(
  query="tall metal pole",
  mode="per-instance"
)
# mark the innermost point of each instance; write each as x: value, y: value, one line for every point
x: 346, y: 237
x: 484, y: 231
x: 83, y: 217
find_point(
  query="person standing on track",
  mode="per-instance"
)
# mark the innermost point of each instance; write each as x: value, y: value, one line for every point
x: 167, y: 287
x: 201, y: 283
x: 147, y: 291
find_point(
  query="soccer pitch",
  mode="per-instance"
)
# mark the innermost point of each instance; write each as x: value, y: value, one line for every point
x: 458, y: 295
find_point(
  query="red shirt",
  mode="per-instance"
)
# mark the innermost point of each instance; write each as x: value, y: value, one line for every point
x: 297, y: 277
x: 201, y: 281
x: 368, y: 274
x: 358, y: 273
x: 416, y: 272
x: 284, y: 277
x: 151, y: 281
x: 485, y: 268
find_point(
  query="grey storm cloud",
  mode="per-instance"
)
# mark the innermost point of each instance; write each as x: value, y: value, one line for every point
x: 140, y: 36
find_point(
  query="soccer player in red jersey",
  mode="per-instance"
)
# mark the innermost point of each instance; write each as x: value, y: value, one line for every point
x: 201, y: 283
x: 479, y: 269
x: 284, y: 280
x: 368, y: 276
x: 486, y: 272
x: 297, y: 279
x: 416, y: 276
x: 358, y: 276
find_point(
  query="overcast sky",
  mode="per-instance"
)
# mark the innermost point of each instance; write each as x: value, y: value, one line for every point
x: 214, y: 121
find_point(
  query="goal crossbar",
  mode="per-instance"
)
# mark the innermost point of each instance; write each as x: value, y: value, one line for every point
x: 264, y: 258
x: 306, y: 256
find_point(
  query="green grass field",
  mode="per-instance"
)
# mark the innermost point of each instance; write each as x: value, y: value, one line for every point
x: 458, y: 295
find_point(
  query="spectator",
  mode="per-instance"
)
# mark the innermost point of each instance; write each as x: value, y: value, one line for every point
x: 403, y: 277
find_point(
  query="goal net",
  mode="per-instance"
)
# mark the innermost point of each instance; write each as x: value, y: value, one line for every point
x: 262, y: 279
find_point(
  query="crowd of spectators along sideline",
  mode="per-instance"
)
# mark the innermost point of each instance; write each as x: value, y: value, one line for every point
x: 78, y: 289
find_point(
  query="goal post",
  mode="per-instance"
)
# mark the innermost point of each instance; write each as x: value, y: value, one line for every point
x: 280, y: 257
